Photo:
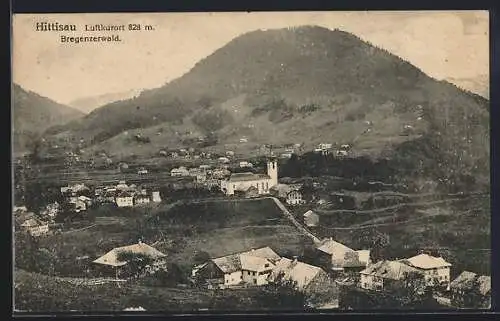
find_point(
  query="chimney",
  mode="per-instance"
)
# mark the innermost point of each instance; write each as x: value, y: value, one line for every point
x: 330, y: 238
x: 294, y: 259
x: 139, y: 242
x: 253, y: 250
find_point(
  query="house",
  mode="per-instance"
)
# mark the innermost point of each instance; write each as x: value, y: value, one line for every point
x: 282, y: 190
x: 111, y: 261
x: 295, y: 198
x: 223, y: 160
x: 141, y: 199
x: 313, y: 281
x: 243, y: 140
x: 122, y: 186
x: 20, y: 209
x: 155, y: 197
x: 51, y: 210
x: 335, y: 256
x: 286, y: 155
x: 124, y: 199
x: 181, y: 171
x: 243, y: 181
x: 76, y: 188
x: 385, y: 275
x: 29, y: 223
x: 252, y: 267
x: 470, y: 290
x: 435, y: 269
x: 142, y: 171
x: 311, y: 219
x: 245, y: 164
x: 79, y: 205
x: 41, y: 229
x: 324, y: 146
x: 85, y: 199
x: 229, y: 153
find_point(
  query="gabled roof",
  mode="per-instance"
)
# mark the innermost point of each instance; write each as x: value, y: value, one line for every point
x: 110, y: 258
x: 30, y: 223
x: 310, y: 213
x: 332, y: 247
x: 124, y: 194
x: 425, y: 261
x: 264, y: 252
x: 464, y: 281
x: 299, y: 272
x: 393, y: 270
x: 468, y: 280
x: 247, y: 176
x: 255, y: 263
x: 253, y: 260
x: 229, y: 263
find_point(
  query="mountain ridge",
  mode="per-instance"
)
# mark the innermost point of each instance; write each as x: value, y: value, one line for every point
x: 33, y: 114
x: 302, y: 84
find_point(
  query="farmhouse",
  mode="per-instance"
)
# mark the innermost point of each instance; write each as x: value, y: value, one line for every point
x: 117, y: 260
x: 435, y: 269
x: 124, y: 199
x: 141, y: 199
x: 311, y: 219
x: 470, y: 290
x: 243, y: 181
x: 295, y: 198
x: 251, y: 267
x: 338, y: 257
x: 384, y: 275
x: 314, y: 282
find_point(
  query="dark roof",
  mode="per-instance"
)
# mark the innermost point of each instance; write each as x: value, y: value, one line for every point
x: 247, y: 176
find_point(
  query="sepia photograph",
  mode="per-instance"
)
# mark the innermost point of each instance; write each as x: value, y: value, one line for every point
x: 241, y: 162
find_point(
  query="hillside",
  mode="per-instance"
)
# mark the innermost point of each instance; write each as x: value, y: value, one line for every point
x: 87, y: 104
x: 479, y: 85
x: 32, y: 114
x: 303, y: 85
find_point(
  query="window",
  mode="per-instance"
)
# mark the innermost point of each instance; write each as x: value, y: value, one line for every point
x: 254, y: 281
x: 267, y: 185
x: 266, y: 265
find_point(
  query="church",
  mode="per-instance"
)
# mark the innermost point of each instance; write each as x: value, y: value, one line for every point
x: 242, y: 182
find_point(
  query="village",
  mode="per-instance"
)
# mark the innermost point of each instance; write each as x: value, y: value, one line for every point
x: 331, y: 271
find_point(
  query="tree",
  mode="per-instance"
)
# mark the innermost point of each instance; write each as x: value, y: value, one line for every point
x: 201, y: 257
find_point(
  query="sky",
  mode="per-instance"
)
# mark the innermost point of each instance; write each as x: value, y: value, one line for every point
x: 447, y: 44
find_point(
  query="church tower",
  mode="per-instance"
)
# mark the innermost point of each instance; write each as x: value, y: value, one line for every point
x: 272, y: 171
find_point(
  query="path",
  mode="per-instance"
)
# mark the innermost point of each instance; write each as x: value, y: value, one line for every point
x: 289, y: 215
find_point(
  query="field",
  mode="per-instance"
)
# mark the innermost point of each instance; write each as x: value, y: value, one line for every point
x: 37, y: 292
x: 457, y: 229
x: 179, y: 230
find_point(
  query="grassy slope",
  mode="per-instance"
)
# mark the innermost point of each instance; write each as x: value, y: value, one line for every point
x: 218, y: 228
x: 459, y: 231
x: 348, y: 80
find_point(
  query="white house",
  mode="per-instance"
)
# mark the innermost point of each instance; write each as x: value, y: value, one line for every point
x: 155, y: 197
x: 311, y: 219
x: 244, y: 181
x: 245, y: 164
x: 295, y: 198
x: 252, y: 267
x: 141, y: 199
x: 124, y: 200
x: 39, y: 230
x: 381, y: 275
x: 336, y: 256
x: 435, y: 269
